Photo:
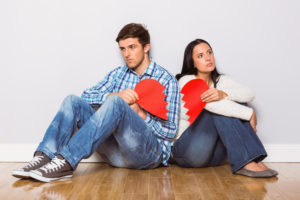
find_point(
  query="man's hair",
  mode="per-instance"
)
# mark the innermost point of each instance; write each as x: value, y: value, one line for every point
x: 133, y: 30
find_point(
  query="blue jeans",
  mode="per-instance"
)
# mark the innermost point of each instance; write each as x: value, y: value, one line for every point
x: 211, y: 138
x: 117, y: 132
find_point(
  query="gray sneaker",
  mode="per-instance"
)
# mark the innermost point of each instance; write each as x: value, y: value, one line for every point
x: 38, y: 161
x: 57, y: 169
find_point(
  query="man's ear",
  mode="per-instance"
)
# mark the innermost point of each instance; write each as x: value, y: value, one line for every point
x: 147, y: 48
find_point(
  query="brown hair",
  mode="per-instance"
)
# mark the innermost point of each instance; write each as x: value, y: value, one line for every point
x: 133, y: 30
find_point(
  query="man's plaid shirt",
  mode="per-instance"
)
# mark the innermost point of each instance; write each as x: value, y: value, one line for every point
x: 122, y: 77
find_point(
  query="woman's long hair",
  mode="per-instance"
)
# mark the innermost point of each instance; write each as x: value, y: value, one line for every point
x: 188, y: 66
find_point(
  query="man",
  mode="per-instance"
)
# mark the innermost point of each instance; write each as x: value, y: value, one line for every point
x: 122, y: 132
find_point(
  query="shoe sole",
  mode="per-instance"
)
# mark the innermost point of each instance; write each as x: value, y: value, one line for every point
x: 257, y: 174
x: 20, y: 174
x: 47, y: 180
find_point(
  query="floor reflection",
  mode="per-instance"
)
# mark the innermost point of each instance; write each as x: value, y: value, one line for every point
x: 105, y: 182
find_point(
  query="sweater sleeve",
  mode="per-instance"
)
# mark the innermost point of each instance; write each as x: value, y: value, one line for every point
x: 235, y: 91
x: 229, y: 108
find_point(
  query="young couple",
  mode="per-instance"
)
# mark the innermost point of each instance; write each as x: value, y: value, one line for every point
x: 110, y: 121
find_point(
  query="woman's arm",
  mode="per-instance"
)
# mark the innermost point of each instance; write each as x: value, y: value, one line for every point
x: 235, y: 91
x: 229, y: 108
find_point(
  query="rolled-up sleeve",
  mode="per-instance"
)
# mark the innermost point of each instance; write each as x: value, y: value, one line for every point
x: 98, y: 93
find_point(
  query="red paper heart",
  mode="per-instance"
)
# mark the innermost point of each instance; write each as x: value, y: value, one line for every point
x: 192, y: 91
x: 151, y: 97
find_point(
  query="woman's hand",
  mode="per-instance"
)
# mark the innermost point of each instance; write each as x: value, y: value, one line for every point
x: 253, y: 121
x: 213, y: 94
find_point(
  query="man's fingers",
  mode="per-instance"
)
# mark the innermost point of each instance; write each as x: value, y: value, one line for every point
x: 132, y: 93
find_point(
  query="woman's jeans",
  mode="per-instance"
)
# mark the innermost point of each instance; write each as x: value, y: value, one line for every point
x: 207, y: 141
x: 117, y: 132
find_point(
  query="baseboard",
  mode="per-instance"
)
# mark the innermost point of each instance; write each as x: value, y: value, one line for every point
x: 24, y: 152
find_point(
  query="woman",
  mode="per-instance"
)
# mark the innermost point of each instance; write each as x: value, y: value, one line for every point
x: 226, y: 126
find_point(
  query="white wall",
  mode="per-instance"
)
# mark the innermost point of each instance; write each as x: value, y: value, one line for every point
x: 49, y: 49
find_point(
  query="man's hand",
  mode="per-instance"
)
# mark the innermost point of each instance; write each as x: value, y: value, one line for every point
x: 253, y: 121
x: 213, y: 94
x: 138, y: 110
x: 128, y: 95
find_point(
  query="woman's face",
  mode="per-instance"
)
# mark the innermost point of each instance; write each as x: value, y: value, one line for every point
x: 204, y: 59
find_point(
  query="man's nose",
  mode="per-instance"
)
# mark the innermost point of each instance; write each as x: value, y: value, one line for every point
x: 126, y: 53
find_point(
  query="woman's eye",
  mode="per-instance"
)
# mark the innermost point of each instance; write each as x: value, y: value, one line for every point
x: 200, y: 56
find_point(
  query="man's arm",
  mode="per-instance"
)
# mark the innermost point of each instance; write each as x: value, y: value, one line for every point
x: 98, y: 93
x: 130, y: 97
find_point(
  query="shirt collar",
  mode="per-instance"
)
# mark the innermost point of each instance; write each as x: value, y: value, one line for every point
x: 150, y: 68
x: 149, y: 71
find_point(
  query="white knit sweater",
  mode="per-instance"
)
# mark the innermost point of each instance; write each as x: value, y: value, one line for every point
x: 227, y: 107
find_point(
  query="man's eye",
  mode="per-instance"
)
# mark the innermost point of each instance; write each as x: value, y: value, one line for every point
x: 210, y: 52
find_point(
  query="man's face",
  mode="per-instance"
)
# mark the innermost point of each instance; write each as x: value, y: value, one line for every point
x: 133, y: 52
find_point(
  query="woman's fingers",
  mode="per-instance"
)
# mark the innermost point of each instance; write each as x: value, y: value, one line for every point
x: 210, y: 95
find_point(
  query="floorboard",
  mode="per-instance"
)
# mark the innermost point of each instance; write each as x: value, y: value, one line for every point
x: 101, y: 181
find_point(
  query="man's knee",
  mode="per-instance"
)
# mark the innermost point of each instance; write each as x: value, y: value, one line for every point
x: 69, y: 103
x: 115, y: 101
x: 71, y: 99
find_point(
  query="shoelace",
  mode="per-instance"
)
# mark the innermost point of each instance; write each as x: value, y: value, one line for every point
x: 54, y: 165
x: 36, y: 160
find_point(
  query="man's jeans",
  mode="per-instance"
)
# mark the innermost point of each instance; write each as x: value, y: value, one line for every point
x: 207, y: 141
x: 117, y: 132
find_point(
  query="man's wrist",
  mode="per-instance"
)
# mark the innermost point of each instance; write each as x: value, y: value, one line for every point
x: 143, y: 115
x: 113, y: 93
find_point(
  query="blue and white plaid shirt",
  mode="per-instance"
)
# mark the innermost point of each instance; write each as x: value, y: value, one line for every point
x: 122, y: 78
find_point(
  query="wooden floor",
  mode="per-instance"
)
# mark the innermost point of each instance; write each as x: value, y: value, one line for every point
x: 100, y: 181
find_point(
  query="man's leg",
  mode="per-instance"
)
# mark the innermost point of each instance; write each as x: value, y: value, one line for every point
x: 199, y: 145
x: 73, y: 112
x: 114, y: 118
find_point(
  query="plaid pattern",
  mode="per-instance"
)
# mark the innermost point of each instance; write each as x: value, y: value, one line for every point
x: 122, y: 77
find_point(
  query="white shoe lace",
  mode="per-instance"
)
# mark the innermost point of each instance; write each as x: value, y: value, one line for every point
x: 54, y: 165
x: 36, y: 160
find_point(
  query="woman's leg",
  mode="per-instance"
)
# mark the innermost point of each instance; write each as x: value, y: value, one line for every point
x: 241, y: 142
x: 199, y: 145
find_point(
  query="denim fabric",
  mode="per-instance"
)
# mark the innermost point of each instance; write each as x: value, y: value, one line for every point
x: 211, y: 137
x: 117, y: 131
x: 122, y: 78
